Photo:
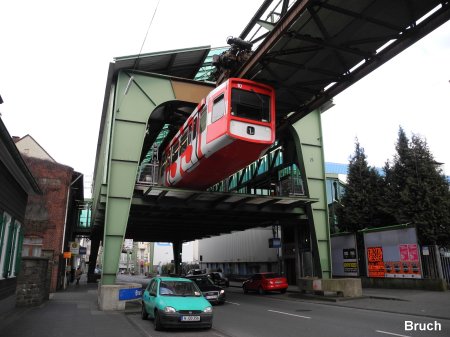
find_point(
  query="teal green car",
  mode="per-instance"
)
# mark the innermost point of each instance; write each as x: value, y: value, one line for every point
x: 176, y: 303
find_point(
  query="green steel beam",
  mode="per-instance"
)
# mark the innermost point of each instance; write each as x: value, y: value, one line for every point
x: 307, y: 134
x: 135, y: 98
x: 100, y: 172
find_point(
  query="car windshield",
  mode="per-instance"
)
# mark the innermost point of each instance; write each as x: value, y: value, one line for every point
x: 178, y: 288
x: 203, y: 281
x: 274, y: 275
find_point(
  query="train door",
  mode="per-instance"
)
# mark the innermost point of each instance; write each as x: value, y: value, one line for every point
x: 193, y: 141
x: 185, y: 150
x: 203, y: 115
x: 174, y: 173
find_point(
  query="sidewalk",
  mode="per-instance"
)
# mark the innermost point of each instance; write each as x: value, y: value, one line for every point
x: 70, y: 313
x: 432, y: 304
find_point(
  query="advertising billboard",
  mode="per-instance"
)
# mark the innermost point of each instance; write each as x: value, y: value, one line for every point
x: 392, y: 253
x: 343, y: 255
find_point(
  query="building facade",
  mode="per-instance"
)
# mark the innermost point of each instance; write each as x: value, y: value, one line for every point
x: 16, y: 186
x: 51, y: 217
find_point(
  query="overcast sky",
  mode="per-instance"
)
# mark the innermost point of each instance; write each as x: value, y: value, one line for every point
x: 55, y: 54
x: 412, y: 90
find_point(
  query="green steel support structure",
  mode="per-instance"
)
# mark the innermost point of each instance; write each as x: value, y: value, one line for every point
x: 124, y: 121
x: 133, y: 98
x: 136, y: 97
x: 307, y: 134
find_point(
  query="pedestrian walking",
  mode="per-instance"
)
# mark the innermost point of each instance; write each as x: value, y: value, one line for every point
x: 78, y: 275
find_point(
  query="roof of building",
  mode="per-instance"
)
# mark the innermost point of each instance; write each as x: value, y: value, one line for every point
x: 38, y: 152
x: 336, y: 168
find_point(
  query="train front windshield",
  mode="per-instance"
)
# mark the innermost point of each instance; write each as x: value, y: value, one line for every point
x: 250, y: 105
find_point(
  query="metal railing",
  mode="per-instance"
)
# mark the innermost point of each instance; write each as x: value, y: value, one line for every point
x: 436, y: 262
x: 149, y: 174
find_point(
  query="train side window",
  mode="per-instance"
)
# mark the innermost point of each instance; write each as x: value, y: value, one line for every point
x: 218, y: 109
x: 194, y: 128
x: 174, y: 152
x: 184, y: 141
x: 203, y: 119
x: 163, y: 164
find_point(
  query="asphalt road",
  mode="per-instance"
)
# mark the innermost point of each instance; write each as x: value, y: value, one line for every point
x: 275, y: 315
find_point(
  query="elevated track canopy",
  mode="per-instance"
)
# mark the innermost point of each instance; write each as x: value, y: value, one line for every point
x: 166, y: 214
x: 309, y: 51
x: 312, y: 50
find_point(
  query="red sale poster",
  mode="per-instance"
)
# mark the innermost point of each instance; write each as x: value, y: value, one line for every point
x: 404, y: 252
x: 413, y: 252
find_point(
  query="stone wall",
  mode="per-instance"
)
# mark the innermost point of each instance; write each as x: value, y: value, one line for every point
x: 346, y: 287
x: 32, y: 288
x: 7, y: 294
x: 405, y: 283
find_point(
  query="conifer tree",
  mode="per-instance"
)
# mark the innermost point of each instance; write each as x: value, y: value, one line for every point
x: 417, y: 191
x: 360, y: 204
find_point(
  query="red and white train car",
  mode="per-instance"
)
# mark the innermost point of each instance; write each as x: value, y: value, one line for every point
x: 232, y: 127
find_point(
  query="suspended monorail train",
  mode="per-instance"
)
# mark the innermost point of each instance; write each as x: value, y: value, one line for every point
x: 230, y: 128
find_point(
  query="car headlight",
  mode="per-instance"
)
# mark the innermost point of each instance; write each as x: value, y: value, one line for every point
x: 222, y: 292
x: 169, y: 309
x: 208, y: 310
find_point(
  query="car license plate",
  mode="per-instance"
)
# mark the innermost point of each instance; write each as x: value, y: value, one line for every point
x: 190, y: 318
x: 277, y: 282
x: 211, y: 297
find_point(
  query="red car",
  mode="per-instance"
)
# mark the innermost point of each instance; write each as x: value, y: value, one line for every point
x: 263, y: 282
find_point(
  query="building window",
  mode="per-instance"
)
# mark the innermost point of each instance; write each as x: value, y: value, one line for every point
x: 32, y: 246
x: 15, y: 250
x: 2, y: 232
x: 11, y: 236
x: 5, y: 238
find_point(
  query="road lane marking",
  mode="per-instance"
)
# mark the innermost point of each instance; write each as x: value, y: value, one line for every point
x: 391, y: 333
x: 232, y: 303
x: 286, y: 313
